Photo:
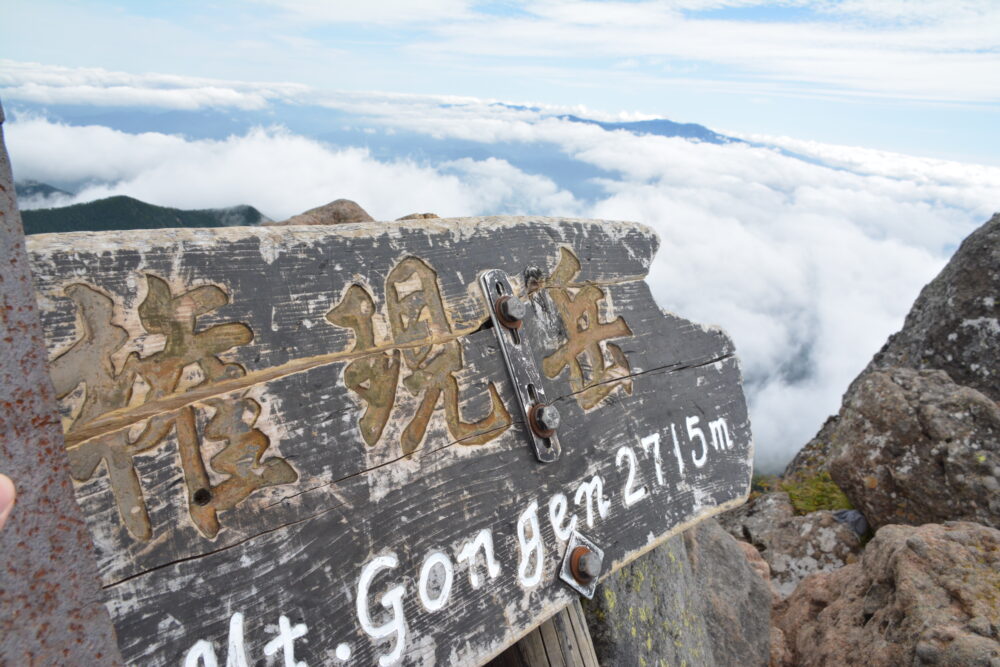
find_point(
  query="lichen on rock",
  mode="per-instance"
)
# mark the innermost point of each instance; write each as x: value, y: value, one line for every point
x: 919, y: 595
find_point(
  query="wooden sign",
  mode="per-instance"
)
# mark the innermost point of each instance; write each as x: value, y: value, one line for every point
x: 304, y: 446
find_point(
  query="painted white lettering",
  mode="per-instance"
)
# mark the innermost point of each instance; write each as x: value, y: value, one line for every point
x: 528, y: 576
x: 441, y: 582
x: 593, y: 491
x: 391, y: 599
x: 202, y: 652
x: 237, y: 655
x: 677, y: 448
x: 630, y: 494
x: 695, y: 433
x: 654, y: 442
x: 484, y: 542
x: 287, y: 634
x: 720, y: 434
x: 557, y: 513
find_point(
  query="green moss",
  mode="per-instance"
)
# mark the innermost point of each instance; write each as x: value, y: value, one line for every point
x: 815, y: 492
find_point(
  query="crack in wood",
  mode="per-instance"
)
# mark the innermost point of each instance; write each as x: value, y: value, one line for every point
x: 297, y: 521
x: 427, y: 454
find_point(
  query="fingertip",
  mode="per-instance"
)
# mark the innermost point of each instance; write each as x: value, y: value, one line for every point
x: 7, y: 496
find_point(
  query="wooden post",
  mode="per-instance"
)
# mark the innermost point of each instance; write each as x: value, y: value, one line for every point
x: 561, y: 641
x: 51, y: 610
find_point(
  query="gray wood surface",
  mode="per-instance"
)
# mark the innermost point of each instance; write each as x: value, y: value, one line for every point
x: 313, y: 424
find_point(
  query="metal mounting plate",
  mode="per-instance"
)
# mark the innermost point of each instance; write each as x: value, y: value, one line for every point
x: 520, y: 364
x: 566, y: 572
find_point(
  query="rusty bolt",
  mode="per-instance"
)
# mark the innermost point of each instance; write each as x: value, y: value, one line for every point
x: 544, y: 420
x: 585, y: 565
x: 511, y: 311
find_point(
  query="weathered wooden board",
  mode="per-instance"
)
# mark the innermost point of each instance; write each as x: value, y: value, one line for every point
x: 304, y: 440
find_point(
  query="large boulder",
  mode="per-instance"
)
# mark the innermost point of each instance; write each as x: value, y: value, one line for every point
x: 918, y: 448
x: 954, y: 324
x: 922, y: 424
x: 695, y: 600
x: 650, y: 610
x: 794, y: 547
x: 337, y: 212
x: 737, y: 599
x: 927, y: 595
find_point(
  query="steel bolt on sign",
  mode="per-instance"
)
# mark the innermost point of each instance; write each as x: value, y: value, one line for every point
x: 376, y: 443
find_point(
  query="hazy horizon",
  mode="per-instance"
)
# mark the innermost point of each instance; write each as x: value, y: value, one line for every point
x: 858, y: 139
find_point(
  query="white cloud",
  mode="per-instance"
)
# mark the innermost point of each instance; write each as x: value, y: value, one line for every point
x: 278, y: 172
x: 808, y: 263
x: 52, y: 84
x: 890, y: 49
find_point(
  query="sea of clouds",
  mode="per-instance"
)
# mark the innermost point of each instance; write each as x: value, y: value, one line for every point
x: 809, y: 255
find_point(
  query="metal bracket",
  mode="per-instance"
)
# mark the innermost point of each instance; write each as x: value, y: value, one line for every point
x: 520, y: 365
x: 578, y: 573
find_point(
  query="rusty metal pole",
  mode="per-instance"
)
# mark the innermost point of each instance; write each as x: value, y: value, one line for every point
x: 50, y: 596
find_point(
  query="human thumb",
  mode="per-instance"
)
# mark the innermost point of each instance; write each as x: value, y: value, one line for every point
x: 7, y: 494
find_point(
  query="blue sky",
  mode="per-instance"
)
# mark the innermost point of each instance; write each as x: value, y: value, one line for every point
x: 860, y: 141
x: 917, y: 77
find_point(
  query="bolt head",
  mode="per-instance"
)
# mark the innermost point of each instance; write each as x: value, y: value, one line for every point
x: 590, y: 565
x: 547, y: 417
x: 585, y: 565
x: 513, y: 309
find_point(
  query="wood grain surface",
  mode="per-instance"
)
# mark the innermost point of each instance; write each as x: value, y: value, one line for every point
x: 301, y: 444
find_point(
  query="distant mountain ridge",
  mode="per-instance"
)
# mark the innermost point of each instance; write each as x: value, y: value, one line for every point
x: 29, y: 189
x: 660, y: 127
x: 121, y: 213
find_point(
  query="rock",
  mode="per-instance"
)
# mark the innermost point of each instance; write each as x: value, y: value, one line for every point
x: 756, y: 561
x: 781, y: 655
x: 919, y: 595
x: 335, y: 213
x: 737, y: 599
x: 694, y: 600
x: 922, y: 424
x: 854, y: 520
x: 918, y: 448
x: 954, y: 324
x: 418, y: 216
x: 815, y: 455
x: 794, y: 547
x: 651, y: 610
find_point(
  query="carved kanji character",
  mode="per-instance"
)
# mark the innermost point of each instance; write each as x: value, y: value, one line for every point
x: 591, y: 374
x: 416, y: 315
x: 185, y: 351
x: 373, y: 377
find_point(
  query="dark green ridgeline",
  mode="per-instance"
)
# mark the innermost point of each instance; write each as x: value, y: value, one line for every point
x: 119, y: 213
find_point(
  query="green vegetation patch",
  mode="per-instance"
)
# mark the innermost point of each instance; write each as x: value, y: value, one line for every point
x: 811, y: 493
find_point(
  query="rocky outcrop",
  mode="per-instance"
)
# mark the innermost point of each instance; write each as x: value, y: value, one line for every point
x: 694, y: 600
x: 919, y: 595
x: 918, y: 448
x: 335, y: 213
x: 793, y: 547
x: 650, y: 610
x: 737, y: 599
x: 419, y: 216
x: 954, y: 325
